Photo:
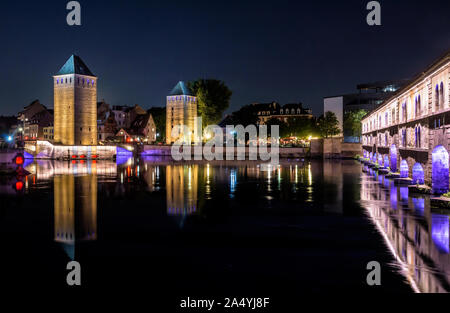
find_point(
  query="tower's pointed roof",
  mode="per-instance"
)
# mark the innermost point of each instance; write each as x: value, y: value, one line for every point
x: 180, y: 90
x: 75, y: 65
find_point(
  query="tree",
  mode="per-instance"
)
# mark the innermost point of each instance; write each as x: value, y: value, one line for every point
x: 302, y: 127
x: 328, y: 125
x: 352, y: 122
x: 159, y: 117
x: 283, y: 127
x: 245, y: 116
x: 213, y: 98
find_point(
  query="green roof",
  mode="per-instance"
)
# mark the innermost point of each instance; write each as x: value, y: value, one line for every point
x: 180, y: 90
x: 74, y: 65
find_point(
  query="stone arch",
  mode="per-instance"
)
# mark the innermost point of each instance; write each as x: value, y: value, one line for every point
x: 393, y: 157
x: 404, y: 169
x: 418, y: 175
x: 440, y: 170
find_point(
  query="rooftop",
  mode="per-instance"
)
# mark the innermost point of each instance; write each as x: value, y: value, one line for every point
x: 74, y: 65
x: 180, y: 90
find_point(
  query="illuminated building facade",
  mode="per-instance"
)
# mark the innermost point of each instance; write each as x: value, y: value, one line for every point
x: 75, y: 104
x: 409, y: 132
x: 181, y: 109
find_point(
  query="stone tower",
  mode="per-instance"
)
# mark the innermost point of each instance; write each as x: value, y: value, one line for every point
x: 75, y: 104
x: 181, y: 109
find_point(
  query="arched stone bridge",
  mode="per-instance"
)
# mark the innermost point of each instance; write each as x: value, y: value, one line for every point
x: 410, y: 132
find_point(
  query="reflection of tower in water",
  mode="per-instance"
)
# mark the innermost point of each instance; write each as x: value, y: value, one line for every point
x: 75, y: 200
x: 182, y: 189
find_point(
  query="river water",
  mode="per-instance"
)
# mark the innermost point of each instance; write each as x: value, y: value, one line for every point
x: 219, y: 228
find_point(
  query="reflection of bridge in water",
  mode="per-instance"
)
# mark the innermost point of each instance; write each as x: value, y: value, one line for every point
x: 416, y: 236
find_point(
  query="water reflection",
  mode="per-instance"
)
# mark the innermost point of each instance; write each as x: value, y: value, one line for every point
x: 416, y: 235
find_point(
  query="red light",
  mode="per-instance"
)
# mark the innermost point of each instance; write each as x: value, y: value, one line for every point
x: 94, y: 162
x: 74, y: 162
x: 74, y: 156
x: 94, y: 156
x: 19, y: 185
x: 82, y: 161
x: 19, y: 160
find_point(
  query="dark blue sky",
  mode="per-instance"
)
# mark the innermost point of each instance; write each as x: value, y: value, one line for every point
x: 287, y: 51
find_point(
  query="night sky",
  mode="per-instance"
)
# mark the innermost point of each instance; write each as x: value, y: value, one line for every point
x: 287, y: 51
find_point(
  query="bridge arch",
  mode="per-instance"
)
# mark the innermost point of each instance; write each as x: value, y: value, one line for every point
x: 418, y: 175
x: 440, y: 170
x: 393, y: 156
x: 404, y: 169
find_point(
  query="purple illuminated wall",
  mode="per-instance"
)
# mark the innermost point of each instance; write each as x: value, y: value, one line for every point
x: 440, y: 178
x: 419, y: 205
x: 404, y: 194
x: 439, y: 232
x: 386, y: 161
x: 393, y: 196
x: 418, y: 176
x: 393, y: 155
x: 404, y: 170
x: 380, y: 160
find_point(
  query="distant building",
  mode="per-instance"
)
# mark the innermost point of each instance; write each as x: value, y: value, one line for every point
x: 34, y: 129
x: 126, y: 115
x: 24, y: 132
x: 267, y: 111
x: 143, y: 129
x: 106, y: 127
x: 75, y: 104
x: 368, y: 97
x: 48, y: 133
x: 181, y: 109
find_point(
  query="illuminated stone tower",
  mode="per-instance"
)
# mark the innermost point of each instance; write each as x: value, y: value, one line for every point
x: 181, y: 109
x: 75, y: 104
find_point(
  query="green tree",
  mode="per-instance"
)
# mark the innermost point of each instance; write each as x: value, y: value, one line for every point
x: 159, y: 117
x: 245, y: 116
x: 328, y: 125
x: 283, y: 127
x: 213, y: 98
x: 302, y: 127
x: 352, y: 122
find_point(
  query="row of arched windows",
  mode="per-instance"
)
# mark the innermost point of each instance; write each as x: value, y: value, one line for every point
x: 292, y: 111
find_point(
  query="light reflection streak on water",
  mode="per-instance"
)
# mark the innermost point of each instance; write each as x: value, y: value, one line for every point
x: 416, y: 236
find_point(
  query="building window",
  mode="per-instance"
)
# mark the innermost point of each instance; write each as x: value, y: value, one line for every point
x: 404, y: 111
x: 436, y: 97
x: 404, y: 137
x: 441, y: 95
